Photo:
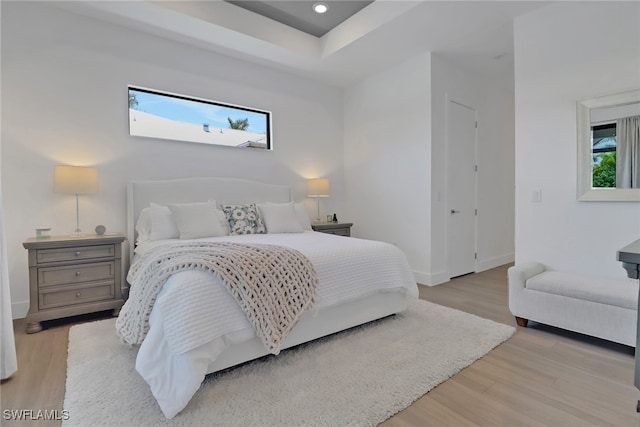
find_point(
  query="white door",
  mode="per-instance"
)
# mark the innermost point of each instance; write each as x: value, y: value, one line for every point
x: 461, y: 189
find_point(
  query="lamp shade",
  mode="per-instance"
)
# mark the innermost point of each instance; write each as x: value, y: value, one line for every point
x: 318, y: 187
x: 75, y: 180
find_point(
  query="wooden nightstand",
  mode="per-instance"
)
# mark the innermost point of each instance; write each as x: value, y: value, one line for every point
x: 339, y: 228
x: 71, y: 275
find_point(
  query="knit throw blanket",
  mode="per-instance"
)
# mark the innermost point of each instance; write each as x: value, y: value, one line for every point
x: 273, y: 285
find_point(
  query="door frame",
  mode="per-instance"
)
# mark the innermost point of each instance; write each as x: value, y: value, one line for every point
x: 450, y: 100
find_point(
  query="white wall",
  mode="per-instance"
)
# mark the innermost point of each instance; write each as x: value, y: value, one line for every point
x: 564, y: 53
x: 395, y: 161
x: 64, y: 101
x: 387, y: 120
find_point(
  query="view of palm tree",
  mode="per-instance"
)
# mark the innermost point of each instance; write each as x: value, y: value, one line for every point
x: 240, y: 124
x: 133, y: 101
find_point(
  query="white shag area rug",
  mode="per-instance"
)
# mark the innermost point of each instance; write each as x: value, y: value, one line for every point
x: 359, y: 377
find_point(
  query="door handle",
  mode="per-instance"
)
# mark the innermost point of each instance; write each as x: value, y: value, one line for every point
x: 453, y: 211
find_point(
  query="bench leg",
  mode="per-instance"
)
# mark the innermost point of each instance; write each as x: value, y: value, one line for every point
x: 522, y: 322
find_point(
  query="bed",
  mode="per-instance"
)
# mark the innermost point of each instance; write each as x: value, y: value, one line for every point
x: 195, y: 326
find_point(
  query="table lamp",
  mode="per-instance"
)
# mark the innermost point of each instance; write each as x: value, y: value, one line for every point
x: 75, y: 180
x: 318, y: 187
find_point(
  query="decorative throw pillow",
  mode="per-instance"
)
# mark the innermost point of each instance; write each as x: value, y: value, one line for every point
x: 162, y: 224
x: 244, y: 219
x: 280, y: 218
x: 196, y: 220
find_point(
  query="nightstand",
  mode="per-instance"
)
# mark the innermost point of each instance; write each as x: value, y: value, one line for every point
x: 71, y: 275
x: 339, y: 228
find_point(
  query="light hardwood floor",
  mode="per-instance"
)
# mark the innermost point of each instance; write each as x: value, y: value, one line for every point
x: 542, y: 376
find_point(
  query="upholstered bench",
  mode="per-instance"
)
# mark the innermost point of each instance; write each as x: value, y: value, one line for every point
x: 600, y: 307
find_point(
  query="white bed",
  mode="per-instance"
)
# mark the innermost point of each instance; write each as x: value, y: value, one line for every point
x: 379, y: 284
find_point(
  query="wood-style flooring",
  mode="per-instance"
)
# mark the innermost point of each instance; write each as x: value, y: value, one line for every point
x: 542, y: 376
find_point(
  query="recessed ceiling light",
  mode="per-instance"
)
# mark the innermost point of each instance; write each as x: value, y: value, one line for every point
x: 320, y: 7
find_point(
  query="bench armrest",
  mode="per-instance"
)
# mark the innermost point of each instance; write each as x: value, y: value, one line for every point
x: 519, y: 274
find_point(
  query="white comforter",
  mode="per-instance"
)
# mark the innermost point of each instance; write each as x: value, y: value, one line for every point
x: 195, y: 319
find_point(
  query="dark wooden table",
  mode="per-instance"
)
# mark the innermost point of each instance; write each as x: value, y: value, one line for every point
x: 629, y: 256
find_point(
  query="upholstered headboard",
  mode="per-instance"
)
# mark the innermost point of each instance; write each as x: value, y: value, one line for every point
x: 202, y: 189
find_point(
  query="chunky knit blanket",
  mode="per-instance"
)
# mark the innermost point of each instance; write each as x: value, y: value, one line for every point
x: 272, y: 284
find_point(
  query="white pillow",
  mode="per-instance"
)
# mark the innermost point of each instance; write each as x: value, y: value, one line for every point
x: 143, y: 226
x: 222, y: 217
x: 162, y: 224
x: 195, y: 220
x: 303, y: 216
x: 280, y: 218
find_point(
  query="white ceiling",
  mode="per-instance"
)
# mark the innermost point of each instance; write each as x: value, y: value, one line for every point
x: 473, y: 34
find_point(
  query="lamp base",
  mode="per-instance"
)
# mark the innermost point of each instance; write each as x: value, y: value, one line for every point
x: 77, y: 231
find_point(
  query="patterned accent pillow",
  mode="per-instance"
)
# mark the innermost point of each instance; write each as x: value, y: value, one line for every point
x: 244, y: 219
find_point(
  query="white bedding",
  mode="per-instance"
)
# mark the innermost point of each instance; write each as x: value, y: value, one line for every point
x: 195, y: 319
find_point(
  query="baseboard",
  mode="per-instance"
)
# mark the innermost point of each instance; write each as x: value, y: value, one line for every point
x: 19, y: 310
x: 488, y: 264
x: 431, y: 279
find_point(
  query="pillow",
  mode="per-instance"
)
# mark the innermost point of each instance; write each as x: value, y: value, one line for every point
x: 162, y: 224
x: 303, y: 216
x: 244, y: 219
x: 196, y: 220
x: 143, y: 226
x: 280, y: 218
x: 222, y: 219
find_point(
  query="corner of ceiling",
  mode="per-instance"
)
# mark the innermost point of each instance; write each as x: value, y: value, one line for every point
x: 372, y: 17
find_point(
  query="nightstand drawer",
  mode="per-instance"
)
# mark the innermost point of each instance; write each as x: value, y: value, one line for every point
x: 338, y: 232
x: 336, y: 228
x: 75, y: 253
x: 68, y: 274
x: 59, y: 296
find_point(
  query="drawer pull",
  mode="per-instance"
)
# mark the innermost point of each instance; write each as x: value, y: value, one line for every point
x: 77, y: 294
x: 77, y: 273
x: 77, y: 253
